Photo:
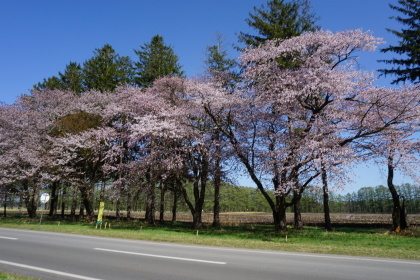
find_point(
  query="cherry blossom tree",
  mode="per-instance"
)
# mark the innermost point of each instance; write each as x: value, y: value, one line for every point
x: 172, y: 139
x: 398, y: 150
x: 58, y: 140
x: 25, y: 145
x: 144, y: 146
x: 283, y: 119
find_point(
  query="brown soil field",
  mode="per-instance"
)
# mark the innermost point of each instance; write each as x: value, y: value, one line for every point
x: 243, y: 218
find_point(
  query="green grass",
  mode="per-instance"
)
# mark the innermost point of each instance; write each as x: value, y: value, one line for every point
x: 10, y: 276
x: 375, y: 242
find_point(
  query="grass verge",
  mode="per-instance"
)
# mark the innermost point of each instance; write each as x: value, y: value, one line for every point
x: 11, y: 276
x: 372, y: 242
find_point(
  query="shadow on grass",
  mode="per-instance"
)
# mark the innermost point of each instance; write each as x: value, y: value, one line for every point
x: 262, y: 232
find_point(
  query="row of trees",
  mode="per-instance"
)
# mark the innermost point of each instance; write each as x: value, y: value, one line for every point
x: 297, y: 115
x: 107, y: 70
x: 239, y: 199
x: 366, y: 200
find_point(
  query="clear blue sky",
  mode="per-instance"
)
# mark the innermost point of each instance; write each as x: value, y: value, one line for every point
x: 39, y: 37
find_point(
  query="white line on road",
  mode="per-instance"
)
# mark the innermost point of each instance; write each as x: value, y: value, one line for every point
x: 48, y: 270
x: 297, y: 254
x: 11, y: 238
x: 159, y: 256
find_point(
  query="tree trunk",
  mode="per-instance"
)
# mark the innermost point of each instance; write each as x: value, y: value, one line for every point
x: 297, y: 210
x: 87, y: 193
x: 102, y: 192
x: 150, y: 205
x: 31, y: 199
x: 217, y: 183
x: 162, y: 202
x: 200, y: 193
x: 74, y: 203
x: 174, y: 206
x: 129, y: 202
x: 201, y: 172
x: 81, y: 211
x: 327, y: 217
x: 196, y: 208
x: 136, y: 200
x: 5, y: 201
x: 63, y: 201
x: 117, y: 209
x: 54, y: 198
x: 279, y: 214
x: 197, y: 220
x: 399, y: 215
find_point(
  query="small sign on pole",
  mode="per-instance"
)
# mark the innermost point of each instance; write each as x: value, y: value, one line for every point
x: 44, y: 199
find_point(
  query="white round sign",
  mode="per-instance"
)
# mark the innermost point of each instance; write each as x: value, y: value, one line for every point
x: 45, y: 197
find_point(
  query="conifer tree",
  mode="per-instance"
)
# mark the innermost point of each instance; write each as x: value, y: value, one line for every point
x: 218, y: 65
x: 156, y: 60
x: 52, y: 82
x: 107, y: 70
x: 406, y: 68
x: 72, y: 78
x: 279, y: 20
x: 104, y: 72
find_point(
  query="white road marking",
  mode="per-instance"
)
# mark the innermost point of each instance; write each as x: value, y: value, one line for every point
x: 11, y: 238
x: 48, y: 270
x: 158, y: 256
x: 267, y: 252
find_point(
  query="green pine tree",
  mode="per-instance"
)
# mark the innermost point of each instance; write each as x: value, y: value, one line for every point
x: 218, y: 65
x: 217, y: 57
x: 72, y: 78
x: 406, y: 68
x: 279, y: 20
x: 50, y: 83
x: 107, y: 70
x: 156, y: 60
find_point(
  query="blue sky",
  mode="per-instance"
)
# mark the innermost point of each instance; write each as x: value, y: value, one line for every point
x: 39, y: 37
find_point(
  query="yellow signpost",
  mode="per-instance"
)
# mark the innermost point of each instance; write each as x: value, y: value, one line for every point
x: 100, y: 214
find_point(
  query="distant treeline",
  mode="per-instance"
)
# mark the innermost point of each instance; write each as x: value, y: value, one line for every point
x: 247, y: 199
x: 366, y: 200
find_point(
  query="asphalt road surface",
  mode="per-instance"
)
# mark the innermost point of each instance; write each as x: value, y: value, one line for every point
x: 49, y: 255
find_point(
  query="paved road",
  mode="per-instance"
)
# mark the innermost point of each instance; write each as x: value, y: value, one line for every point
x: 64, y: 256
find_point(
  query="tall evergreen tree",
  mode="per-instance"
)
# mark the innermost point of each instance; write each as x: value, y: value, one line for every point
x: 52, y: 82
x: 156, y: 60
x: 72, y: 78
x: 279, y: 20
x: 406, y: 68
x: 218, y: 65
x: 107, y: 70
